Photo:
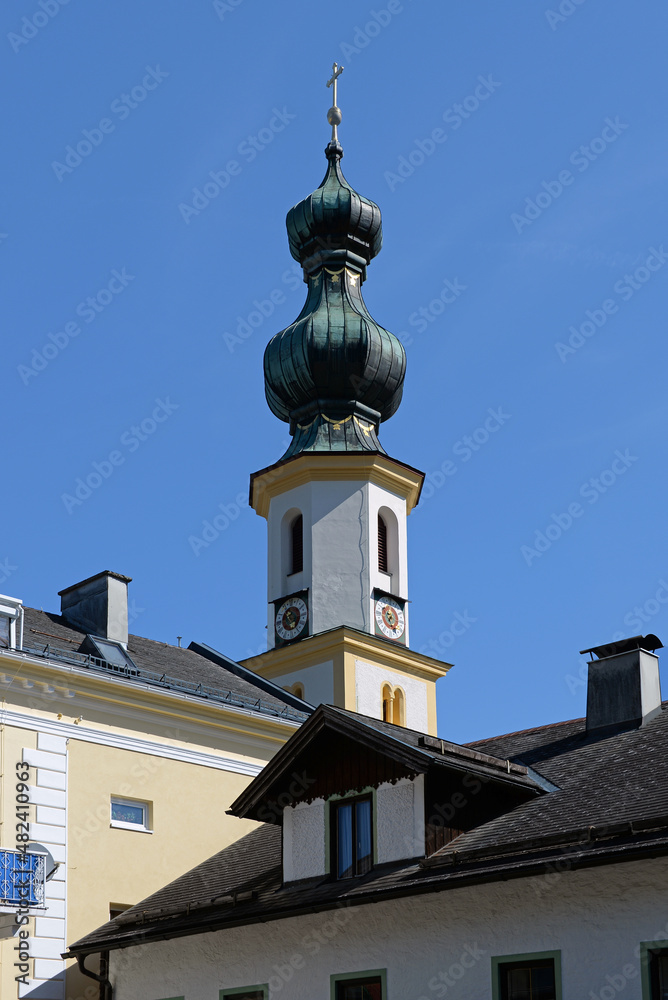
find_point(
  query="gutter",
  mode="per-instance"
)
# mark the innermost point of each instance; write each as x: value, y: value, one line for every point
x: 106, y: 989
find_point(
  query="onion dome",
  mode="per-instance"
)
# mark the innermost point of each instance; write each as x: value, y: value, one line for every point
x: 334, y: 374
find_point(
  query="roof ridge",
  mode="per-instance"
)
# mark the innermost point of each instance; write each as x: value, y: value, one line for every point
x: 523, y: 732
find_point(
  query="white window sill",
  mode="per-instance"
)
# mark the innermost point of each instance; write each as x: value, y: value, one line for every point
x: 115, y: 825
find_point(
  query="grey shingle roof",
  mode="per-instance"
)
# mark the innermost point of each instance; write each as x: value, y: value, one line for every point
x: 45, y: 632
x: 611, y: 805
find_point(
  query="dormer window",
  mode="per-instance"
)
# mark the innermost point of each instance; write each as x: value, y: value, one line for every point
x: 4, y: 632
x: 351, y: 837
x: 11, y: 627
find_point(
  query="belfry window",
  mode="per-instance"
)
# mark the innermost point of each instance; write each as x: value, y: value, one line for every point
x: 382, y: 545
x: 297, y: 544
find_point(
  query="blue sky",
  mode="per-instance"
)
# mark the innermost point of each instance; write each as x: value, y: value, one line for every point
x: 518, y: 154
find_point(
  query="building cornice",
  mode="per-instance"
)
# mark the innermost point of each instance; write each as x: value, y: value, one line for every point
x: 25, y: 675
x: 88, y: 734
x: 392, y: 475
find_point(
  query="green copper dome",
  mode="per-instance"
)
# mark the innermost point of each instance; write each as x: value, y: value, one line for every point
x: 335, y: 373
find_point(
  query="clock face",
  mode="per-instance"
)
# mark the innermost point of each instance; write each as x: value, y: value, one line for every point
x: 390, y: 620
x: 291, y: 618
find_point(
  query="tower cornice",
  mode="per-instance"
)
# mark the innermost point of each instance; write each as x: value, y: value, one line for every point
x: 307, y: 467
x: 344, y: 639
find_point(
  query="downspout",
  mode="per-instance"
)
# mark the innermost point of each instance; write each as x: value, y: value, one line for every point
x: 106, y: 989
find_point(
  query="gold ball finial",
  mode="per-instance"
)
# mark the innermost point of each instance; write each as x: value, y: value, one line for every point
x: 334, y: 114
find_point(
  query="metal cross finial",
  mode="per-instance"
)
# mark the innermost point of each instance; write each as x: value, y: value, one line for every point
x: 334, y: 113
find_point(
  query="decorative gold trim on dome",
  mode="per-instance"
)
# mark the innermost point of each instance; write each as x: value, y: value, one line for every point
x: 308, y: 467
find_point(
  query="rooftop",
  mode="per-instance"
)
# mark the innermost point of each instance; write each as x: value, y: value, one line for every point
x: 610, y: 805
x: 198, y: 671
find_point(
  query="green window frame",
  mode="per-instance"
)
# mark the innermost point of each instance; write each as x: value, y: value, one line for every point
x: 355, y: 978
x: 499, y: 961
x: 240, y: 992
x: 647, y: 950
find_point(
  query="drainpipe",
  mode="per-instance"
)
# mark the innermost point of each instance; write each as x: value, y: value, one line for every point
x: 106, y: 989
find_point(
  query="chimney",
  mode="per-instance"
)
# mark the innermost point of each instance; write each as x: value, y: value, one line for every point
x: 98, y: 605
x: 623, y: 683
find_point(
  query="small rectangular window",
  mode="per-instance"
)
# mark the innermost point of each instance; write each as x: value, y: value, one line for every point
x: 352, y: 837
x: 527, y: 977
x: 245, y: 993
x: 128, y: 814
x: 359, y: 986
x: 659, y: 975
x: 4, y: 632
x: 654, y: 970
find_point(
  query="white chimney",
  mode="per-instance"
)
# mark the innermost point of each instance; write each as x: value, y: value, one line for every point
x: 98, y: 605
x: 623, y: 683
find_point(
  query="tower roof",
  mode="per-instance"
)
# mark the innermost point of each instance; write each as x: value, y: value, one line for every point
x: 335, y: 373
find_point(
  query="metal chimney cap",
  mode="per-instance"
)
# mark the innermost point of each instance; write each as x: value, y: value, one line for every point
x: 648, y: 642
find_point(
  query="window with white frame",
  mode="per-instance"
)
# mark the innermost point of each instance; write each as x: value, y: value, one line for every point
x: 129, y: 814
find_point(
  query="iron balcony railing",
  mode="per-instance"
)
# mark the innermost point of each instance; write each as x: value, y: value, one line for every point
x: 22, y: 878
x: 162, y: 680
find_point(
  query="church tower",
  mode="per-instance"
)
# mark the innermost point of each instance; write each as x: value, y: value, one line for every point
x: 335, y: 503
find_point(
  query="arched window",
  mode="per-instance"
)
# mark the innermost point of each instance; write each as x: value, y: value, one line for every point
x: 297, y: 544
x: 386, y: 697
x: 297, y: 689
x: 398, y: 707
x: 382, y: 545
x: 393, y: 705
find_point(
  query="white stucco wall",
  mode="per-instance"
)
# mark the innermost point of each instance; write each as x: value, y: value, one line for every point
x: 340, y: 551
x: 433, y: 946
x: 400, y: 819
x: 318, y: 682
x: 369, y: 680
x: 304, y: 840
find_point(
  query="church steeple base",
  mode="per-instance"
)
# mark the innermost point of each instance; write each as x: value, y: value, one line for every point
x: 360, y: 672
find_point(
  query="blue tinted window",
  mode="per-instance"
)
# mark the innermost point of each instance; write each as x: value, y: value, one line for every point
x: 125, y: 812
x: 353, y: 839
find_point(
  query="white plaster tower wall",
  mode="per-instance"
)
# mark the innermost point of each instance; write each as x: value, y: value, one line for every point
x: 340, y: 550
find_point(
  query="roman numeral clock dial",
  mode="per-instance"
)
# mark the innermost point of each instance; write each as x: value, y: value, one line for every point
x: 390, y: 620
x: 291, y: 619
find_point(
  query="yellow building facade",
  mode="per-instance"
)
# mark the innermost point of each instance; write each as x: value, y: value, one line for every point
x: 120, y: 772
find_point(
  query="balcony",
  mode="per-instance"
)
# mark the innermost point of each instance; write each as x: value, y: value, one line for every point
x: 22, y: 878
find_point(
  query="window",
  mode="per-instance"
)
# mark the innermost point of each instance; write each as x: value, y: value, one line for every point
x: 127, y: 814
x: 297, y: 544
x: 4, y: 632
x: 654, y: 970
x: 351, y: 837
x: 399, y: 708
x: 359, y: 986
x: 382, y: 545
x: 393, y: 705
x: 386, y: 695
x: 659, y: 975
x: 527, y: 977
x: 115, y: 909
x: 297, y: 689
x: 245, y: 993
